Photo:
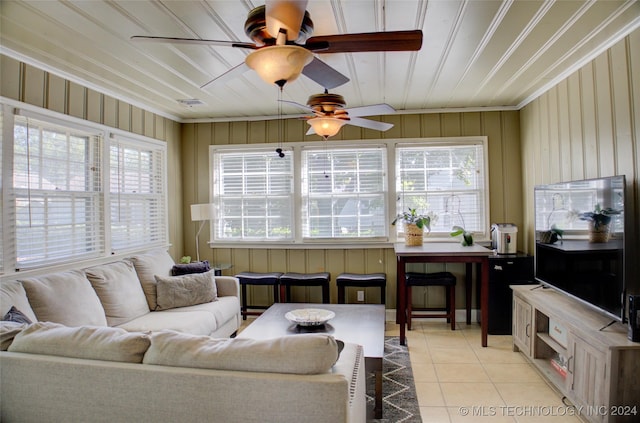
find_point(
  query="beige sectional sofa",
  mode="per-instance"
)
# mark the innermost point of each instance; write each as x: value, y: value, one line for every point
x: 125, y: 341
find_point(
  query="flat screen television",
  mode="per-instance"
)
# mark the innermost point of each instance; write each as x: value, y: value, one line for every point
x: 582, y: 263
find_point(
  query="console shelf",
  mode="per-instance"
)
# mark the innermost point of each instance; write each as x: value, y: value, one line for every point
x: 589, y: 360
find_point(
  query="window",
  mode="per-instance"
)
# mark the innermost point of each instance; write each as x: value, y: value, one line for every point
x: 137, y: 199
x: 338, y: 193
x: 343, y: 193
x: 445, y: 179
x: 71, y: 191
x: 253, y: 196
x: 57, y: 198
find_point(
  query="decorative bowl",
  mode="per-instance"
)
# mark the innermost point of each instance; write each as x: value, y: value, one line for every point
x: 310, y: 316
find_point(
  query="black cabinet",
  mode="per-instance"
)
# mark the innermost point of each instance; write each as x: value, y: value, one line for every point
x: 512, y: 269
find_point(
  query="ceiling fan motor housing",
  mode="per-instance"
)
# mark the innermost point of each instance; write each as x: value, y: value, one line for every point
x: 256, y: 28
x: 326, y: 103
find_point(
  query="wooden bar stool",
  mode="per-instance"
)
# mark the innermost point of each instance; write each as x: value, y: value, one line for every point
x: 251, y: 278
x: 445, y: 279
x: 361, y: 280
x: 304, y: 279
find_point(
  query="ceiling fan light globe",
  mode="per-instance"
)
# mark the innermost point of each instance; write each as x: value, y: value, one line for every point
x: 326, y: 126
x: 279, y: 63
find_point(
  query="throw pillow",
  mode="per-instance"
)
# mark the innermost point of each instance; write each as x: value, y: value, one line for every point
x: 300, y: 354
x: 15, y: 315
x: 8, y: 331
x: 156, y: 262
x: 186, y: 269
x: 88, y: 342
x: 66, y: 298
x: 120, y: 292
x: 185, y: 290
x: 12, y: 294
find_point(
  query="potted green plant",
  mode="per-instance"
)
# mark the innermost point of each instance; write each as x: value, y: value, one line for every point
x: 467, y: 237
x: 414, y: 225
x: 599, y: 222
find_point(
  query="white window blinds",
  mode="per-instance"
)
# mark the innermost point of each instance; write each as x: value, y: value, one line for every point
x: 253, y: 195
x: 137, y: 198
x: 343, y: 193
x: 57, y: 193
x: 448, y: 180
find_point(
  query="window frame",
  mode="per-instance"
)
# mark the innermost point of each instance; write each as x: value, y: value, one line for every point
x: 105, y: 137
x: 391, y: 145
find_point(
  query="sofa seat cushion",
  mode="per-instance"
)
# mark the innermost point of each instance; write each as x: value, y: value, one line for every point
x: 87, y: 342
x: 185, y: 290
x: 12, y: 294
x: 119, y: 290
x: 300, y: 354
x: 194, y: 322
x: 66, y: 298
x: 222, y: 310
x: 156, y: 262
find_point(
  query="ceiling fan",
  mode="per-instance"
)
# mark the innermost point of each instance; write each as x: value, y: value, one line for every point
x: 283, y: 46
x: 330, y: 114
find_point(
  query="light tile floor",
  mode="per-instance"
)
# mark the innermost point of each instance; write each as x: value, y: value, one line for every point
x: 459, y: 381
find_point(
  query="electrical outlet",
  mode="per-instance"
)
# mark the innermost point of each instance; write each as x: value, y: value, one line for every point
x: 361, y: 296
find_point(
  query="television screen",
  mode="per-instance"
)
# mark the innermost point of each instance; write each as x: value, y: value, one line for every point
x: 580, y: 241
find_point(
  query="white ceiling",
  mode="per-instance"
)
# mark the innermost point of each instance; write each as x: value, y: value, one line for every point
x: 475, y: 53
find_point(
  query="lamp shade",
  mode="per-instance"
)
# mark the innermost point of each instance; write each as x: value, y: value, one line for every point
x: 326, y: 126
x: 201, y: 212
x: 280, y: 63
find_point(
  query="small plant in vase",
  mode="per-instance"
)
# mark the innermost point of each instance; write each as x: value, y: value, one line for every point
x: 599, y: 222
x: 415, y: 225
x: 467, y: 237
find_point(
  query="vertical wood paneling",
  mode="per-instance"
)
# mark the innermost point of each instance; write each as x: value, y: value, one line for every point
x: 10, y: 85
x: 598, y: 108
x: 94, y: 106
x: 124, y: 116
x: 33, y: 85
x: 56, y: 93
x: 110, y: 112
x: 589, y: 120
x: 604, y: 111
x: 77, y: 100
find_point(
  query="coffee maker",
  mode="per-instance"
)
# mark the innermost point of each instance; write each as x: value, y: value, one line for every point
x: 504, y: 238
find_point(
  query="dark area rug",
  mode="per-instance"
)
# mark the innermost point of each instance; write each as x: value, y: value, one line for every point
x: 399, y: 398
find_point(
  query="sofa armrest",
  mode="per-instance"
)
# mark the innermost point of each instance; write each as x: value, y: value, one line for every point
x: 228, y: 286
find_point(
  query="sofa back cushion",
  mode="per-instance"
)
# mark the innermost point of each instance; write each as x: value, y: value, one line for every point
x: 88, y: 342
x: 185, y: 290
x: 119, y: 290
x: 12, y: 294
x: 156, y: 262
x: 300, y: 354
x: 66, y: 298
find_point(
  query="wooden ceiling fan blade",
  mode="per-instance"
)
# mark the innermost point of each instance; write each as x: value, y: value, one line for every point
x: 285, y: 15
x: 372, y: 110
x: 369, y: 41
x: 323, y: 74
x: 177, y: 40
x: 232, y: 73
x: 370, y: 124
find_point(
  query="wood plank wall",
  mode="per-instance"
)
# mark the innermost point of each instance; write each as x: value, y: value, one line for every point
x: 502, y: 129
x: 36, y: 87
x: 587, y: 127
